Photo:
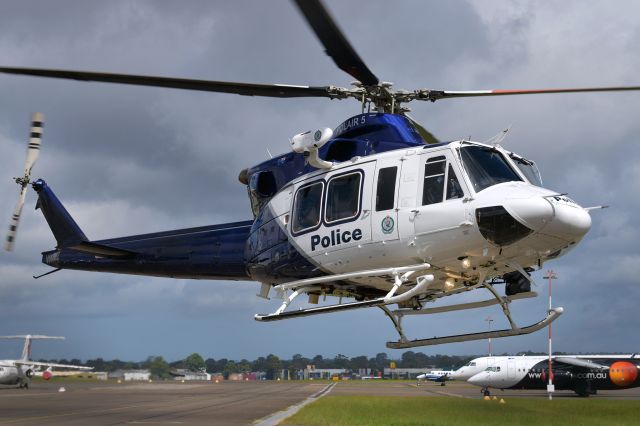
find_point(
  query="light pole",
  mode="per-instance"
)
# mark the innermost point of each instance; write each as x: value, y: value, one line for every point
x: 550, y: 387
x: 489, y: 320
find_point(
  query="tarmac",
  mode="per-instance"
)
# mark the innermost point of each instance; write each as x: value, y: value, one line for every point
x: 224, y: 403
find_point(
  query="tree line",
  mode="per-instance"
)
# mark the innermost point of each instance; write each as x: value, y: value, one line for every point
x: 272, y: 364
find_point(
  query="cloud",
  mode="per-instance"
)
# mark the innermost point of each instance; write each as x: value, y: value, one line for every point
x: 127, y: 160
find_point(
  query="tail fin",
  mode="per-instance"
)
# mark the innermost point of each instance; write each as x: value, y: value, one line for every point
x: 66, y: 231
x: 26, y: 349
x: 64, y: 228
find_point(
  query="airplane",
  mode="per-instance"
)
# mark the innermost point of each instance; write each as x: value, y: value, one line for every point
x: 440, y: 376
x: 20, y: 371
x: 583, y: 374
x: 376, y: 210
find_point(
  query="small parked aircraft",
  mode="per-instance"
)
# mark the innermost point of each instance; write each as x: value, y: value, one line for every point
x: 20, y: 371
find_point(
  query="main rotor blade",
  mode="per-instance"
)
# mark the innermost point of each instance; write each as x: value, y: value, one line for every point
x: 246, y: 89
x: 434, y: 95
x: 335, y: 43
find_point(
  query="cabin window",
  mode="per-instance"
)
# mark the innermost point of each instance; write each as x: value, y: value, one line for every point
x: 486, y: 167
x: 307, y: 207
x: 433, y: 189
x: 454, y: 190
x: 343, y: 197
x: 386, y: 191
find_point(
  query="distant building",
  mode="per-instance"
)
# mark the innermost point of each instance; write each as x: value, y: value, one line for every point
x: 406, y: 373
x: 130, y: 375
x: 184, y: 374
x: 322, y: 373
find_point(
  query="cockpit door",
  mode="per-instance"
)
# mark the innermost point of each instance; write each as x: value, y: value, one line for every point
x: 384, y: 214
x: 441, y: 211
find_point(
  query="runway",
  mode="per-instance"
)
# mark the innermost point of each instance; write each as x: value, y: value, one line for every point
x: 225, y: 403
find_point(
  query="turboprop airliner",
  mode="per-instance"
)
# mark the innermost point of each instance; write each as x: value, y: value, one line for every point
x: 583, y: 374
x: 20, y: 371
x: 440, y: 376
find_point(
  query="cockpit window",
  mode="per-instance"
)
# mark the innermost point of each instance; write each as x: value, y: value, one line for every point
x: 307, y: 207
x: 343, y: 197
x: 454, y: 190
x: 528, y: 169
x: 486, y: 167
x: 471, y: 364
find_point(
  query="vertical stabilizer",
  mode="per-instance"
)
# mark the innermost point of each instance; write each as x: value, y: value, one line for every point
x: 64, y: 228
x: 26, y: 349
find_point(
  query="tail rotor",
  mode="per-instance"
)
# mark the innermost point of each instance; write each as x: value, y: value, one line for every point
x: 33, y: 150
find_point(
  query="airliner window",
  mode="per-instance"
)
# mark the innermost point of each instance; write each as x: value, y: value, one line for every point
x: 307, y: 207
x: 454, y: 190
x: 386, y: 191
x: 486, y: 167
x: 433, y: 189
x: 343, y: 197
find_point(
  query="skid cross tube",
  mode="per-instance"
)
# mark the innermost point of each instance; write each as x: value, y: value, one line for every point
x: 401, y: 275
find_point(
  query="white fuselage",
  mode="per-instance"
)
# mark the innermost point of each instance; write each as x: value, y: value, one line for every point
x: 502, y: 372
x: 11, y: 374
x: 435, y: 375
x: 417, y: 226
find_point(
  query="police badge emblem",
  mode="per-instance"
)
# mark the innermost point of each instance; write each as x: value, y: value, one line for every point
x: 387, y: 225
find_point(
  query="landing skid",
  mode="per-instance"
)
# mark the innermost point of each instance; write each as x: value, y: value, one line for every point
x: 401, y: 276
x: 551, y: 316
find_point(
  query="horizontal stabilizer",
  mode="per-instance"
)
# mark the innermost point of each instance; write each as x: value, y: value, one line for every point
x: 101, y: 250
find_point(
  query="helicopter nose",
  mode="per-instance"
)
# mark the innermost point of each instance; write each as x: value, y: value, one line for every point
x: 570, y: 221
x: 555, y: 215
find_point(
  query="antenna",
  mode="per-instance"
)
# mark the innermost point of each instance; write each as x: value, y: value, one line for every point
x: 497, y: 139
x: 489, y: 320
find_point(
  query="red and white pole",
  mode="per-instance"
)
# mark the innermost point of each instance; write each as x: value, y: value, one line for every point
x: 550, y: 387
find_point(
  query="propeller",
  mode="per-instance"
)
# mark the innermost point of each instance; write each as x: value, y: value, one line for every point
x: 33, y: 149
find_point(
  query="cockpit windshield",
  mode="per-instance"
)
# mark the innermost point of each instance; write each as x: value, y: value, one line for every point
x: 486, y: 167
x: 528, y: 169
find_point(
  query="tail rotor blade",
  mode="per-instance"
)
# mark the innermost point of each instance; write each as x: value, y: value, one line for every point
x: 35, y: 137
x: 15, y: 220
x: 33, y: 150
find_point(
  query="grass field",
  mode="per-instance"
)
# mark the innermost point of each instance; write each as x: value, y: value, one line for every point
x: 373, y: 410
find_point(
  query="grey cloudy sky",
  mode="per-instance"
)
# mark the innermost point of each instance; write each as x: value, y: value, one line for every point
x: 128, y: 160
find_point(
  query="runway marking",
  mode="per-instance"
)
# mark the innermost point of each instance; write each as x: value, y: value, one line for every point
x: 275, y: 419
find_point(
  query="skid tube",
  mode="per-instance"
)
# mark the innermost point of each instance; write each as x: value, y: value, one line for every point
x: 551, y: 316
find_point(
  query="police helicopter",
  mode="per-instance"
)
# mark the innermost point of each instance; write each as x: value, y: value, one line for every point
x: 375, y: 213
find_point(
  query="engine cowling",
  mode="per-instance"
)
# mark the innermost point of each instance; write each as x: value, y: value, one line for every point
x: 46, y: 375
x: 29, y: 373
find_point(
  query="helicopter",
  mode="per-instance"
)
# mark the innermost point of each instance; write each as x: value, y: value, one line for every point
x: 376, y: 210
